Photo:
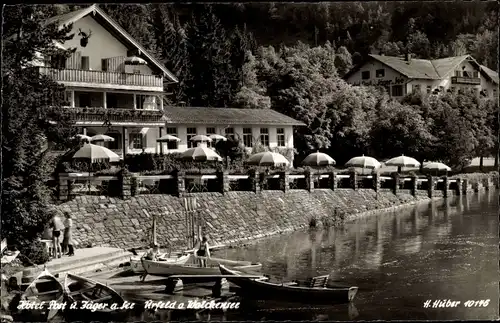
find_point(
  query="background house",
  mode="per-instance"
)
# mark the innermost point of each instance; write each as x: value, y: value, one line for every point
x: 403, y: 75
x: 251, y: 126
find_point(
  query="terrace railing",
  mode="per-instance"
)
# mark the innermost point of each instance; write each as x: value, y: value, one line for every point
x: 100, y: 77
x: 98, y: 114
x: 71, y: 184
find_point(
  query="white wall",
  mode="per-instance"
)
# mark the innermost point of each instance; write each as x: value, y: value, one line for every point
x: 391, y: 76
x: 101, y: 44
x: 238, y: 129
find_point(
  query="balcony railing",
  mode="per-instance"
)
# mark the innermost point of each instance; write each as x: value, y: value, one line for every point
x: 465, y: 80
x: 72, y: 75
x: 111, y: 115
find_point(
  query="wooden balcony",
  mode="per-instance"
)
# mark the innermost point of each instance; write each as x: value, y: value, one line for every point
x: 114, y: 116
x: 99, y: 77
x: 466, y: 80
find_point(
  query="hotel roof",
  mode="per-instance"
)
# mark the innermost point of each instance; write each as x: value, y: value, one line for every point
x: 230, y: 116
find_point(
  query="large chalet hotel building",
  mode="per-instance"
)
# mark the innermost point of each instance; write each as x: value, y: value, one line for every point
x: 403, y: 75
x: 115, y: 87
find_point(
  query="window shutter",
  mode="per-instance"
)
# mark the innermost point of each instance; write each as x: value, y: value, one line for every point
x: 77, y: 60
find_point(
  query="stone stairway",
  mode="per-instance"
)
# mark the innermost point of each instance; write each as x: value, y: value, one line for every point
x: 86, y: 262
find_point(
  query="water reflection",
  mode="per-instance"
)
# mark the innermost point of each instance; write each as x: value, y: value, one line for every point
x: 433, y: 250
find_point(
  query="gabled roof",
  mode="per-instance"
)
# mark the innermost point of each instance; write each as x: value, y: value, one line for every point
x: 426, y: 69
x: 445, y: 66
x: 230, y: 116
x: 415, y: 68
x: 108, y: 22
x: 491, y: 74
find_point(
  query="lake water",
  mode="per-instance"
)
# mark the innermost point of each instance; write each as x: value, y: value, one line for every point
x: 444, y: 250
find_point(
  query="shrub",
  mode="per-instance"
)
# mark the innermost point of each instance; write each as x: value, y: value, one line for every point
x: 34, y: 253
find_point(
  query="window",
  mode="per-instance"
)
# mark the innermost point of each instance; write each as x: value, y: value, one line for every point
x: 365, y: 75
x: 379, y: 73
x: 104, y: 65
x: 429, y: 89
x: 397, y: 90
x: 84, y: 99
x: 416, y: 88
x: 264, y: 136
x: 475, y: 74
x: 139, y: 101
x: 211, y: 131
x: 85, y: 63
x: 280, y: 137
x: 191, y: 132
x: 229, y: 133
x: 58, y: 61
x: 114, y: 144
x: 135, y: 140
x: 458, y: 73
x: 247, y: 137
x: 67, y: 98
x: 172, y: 131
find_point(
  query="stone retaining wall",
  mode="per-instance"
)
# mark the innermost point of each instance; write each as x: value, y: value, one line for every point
x: 229, y: 217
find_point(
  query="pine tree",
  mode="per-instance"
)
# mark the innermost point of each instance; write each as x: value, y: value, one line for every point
x: 26, y: 162
x: 210, y: 57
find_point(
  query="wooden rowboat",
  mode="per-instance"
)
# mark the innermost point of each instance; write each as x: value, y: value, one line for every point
x: 314, y: 292
x: 161, y: 268
x: 44, y: 288
x: 136, y: 264
x: 82, y: 290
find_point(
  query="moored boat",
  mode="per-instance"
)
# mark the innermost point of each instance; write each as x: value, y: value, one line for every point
x: 136, y: 264
x: 314, y: 291
x: 161, y: 268
x: 82, y: 291
x: 44, y: 288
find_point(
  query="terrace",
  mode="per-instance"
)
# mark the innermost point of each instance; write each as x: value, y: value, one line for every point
x: 103, y: 79
x: 98, y: 115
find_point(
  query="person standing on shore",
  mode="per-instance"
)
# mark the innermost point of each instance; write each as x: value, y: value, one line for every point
x: 57, y: 227
x: 68, y: 235
x: 203, y: 251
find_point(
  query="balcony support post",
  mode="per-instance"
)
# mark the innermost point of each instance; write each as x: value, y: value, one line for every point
x: 125, y: 142
x: 72, y: 98
x: 135, y: 102
x: 85, y: 131
x: 159, y: 136
x: 161, y: 102
x: 104, y: 100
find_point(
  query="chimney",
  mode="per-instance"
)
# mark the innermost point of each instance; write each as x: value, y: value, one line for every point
x: 408, y: 57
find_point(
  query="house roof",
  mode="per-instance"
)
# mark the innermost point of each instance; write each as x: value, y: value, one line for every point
x: 230, y: 116
x: 426, y: 69
x: 415, y: 68
x: 445, y: 66
x: 107, y: 21
x: 491, y: 73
